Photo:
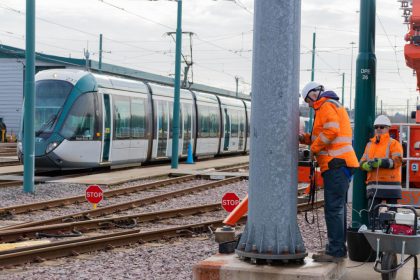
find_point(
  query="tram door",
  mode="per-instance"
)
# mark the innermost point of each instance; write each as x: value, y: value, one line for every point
x: 162, y: 127
x: 106, y: 129
x: 241, y: 130
x: 227, y: 129
x: 186, y: 127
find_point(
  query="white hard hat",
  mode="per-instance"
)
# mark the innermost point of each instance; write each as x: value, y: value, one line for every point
x: 309, y: 87
x: 382, y: 120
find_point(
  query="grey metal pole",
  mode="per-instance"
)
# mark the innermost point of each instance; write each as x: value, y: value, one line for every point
x: 237, y: 83
x: 100, y: 53
x: 408, y: 101
x: 29, y: 107
x: 175, y: 125
x: 272, y: 232
x: 311, y: 111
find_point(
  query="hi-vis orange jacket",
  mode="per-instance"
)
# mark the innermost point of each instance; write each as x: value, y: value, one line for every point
x: 331, y: 135
x: 384, y: 182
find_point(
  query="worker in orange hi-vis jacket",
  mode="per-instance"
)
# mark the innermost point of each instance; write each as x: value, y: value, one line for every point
x: 382, y: 160
x: 331, y: 144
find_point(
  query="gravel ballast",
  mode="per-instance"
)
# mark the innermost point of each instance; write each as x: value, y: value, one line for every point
x: 157, y: 260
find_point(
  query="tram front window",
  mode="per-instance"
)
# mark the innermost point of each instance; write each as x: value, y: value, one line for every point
x: 82, y: 123
x: 50, y: 96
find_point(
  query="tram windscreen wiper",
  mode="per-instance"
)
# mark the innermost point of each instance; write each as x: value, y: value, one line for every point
x: 47, y: 125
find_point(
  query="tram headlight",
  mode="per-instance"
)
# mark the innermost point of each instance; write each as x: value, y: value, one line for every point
x: 51, y: 147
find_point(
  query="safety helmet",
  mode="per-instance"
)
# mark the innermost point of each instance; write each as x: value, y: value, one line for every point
x: 382, y: 120
x: 310, y: 87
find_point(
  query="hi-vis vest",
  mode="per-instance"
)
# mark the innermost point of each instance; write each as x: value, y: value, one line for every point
x: 332, y: 134
x: 384, y: 182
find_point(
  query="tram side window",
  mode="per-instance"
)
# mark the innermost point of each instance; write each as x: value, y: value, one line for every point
x: 204, y: 124
x: 186, y: 112
x: 214, y: 122
x: 234, y: 124
x: 122, y: 117
x: 81, y: 123
x: 138, y: 118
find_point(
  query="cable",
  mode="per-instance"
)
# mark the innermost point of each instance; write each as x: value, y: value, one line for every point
x: 395, y: 51
x: 136, y: 15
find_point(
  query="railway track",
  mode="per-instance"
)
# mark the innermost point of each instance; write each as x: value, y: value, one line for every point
x: 44, y: 205
x: 74, y: 247
x: 78, y: 246
x: 125, y: 221
x: 125, y: 205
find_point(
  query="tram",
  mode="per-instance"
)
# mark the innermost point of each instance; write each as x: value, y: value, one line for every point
x: 87, y: 120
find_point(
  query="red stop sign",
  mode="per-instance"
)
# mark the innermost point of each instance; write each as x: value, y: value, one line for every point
x: 94, y: 194
x: 230, y: 201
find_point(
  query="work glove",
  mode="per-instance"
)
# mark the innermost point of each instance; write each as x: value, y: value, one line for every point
x: 366, y: 166
x: 382, y: 163
x: 377, y: 162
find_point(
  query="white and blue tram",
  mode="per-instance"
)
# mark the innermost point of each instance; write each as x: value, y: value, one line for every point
x: 86, y: 120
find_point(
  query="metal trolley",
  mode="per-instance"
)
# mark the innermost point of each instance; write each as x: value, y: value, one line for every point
x: 388, y: 245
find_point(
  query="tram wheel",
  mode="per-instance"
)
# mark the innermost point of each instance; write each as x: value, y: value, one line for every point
x: 389, y: 261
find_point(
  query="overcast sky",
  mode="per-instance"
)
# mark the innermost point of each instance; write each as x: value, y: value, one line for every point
x: 135, y: 36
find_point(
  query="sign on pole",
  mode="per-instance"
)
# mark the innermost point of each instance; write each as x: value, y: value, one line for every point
x: 94, y: 195
x: 230, y: 201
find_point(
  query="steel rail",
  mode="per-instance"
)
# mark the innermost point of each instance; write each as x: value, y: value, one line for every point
x: 4, y: 184
x: 108, y: 241
x: 44, y: 205
x: 125, y: 205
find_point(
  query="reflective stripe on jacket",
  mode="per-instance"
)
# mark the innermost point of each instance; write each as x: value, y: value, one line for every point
x: 386, y: 182
x: 331, y: 134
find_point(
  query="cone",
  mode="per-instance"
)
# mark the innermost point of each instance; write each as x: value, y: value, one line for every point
x: 190, y: 159
x: 237, y: 213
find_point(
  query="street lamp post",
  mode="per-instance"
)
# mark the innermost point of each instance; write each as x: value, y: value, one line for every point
x: 175, y: 124
x: 29, y: 109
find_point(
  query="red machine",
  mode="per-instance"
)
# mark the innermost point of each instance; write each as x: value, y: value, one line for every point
x: 412, y: 48
x: 412, y: 146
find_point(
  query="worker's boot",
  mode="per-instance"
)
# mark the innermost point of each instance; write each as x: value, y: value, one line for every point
x: 326, y: 258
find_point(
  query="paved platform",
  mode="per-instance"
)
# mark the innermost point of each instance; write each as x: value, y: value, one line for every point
x: 229, y: 267
x: 145, y: 172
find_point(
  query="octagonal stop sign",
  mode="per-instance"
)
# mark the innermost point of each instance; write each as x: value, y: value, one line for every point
x: 94, y: 194
x: 230, y: 201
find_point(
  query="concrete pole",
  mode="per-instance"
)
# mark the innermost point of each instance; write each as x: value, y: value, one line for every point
x: 29, y: 105
x: 272, y: 232
x: 177, y: 85
x: 365, y: 103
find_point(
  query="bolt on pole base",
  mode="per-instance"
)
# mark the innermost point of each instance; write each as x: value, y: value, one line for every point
x: 261, y: 258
